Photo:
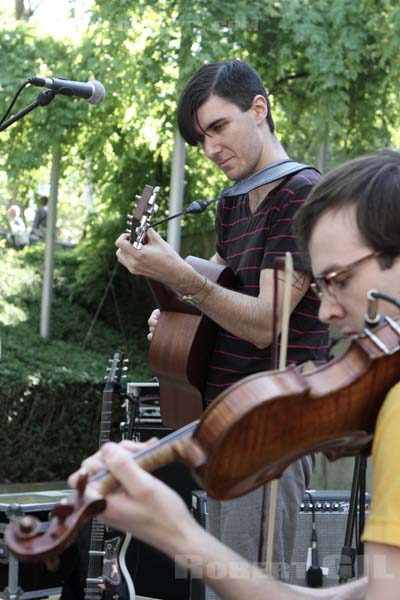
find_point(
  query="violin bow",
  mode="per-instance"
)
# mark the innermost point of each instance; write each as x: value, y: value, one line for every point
x: 288, y: 267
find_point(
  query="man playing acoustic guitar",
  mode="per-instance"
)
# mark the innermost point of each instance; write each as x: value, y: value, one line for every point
x: 225, y: 108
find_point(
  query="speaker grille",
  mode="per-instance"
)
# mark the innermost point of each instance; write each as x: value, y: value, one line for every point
x: 331, y: 509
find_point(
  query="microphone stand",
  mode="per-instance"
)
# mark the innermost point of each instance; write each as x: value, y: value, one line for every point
x: 43, y: 99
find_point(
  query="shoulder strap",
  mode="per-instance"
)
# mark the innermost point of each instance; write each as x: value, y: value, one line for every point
x: 277, y: 170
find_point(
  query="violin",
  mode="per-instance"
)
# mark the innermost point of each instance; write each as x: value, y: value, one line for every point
x: 248, y: 435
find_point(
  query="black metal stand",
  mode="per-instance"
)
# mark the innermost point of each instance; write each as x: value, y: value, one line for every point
x: 131, y: 405
x: 43, y: 99
x: 349, y: 555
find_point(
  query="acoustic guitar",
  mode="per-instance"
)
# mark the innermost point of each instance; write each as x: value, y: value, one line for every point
x: 181, y: 347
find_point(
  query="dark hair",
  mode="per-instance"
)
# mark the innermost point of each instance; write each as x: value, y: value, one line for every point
x: 370, y: 183
x: 233, y: 80
x: 43, y: 200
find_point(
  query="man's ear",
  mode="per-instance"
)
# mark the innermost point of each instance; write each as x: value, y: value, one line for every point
x: 259, y: 108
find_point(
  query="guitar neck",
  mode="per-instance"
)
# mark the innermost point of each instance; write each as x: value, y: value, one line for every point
x: 97, y: 536
x: 105, y: 422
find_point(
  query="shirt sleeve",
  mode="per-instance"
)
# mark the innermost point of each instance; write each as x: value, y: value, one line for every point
x: 282, y: 239
x: 383, y: 524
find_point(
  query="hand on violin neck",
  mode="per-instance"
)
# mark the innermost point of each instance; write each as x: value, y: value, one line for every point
x: 95, y: 463
x: 145, y: 507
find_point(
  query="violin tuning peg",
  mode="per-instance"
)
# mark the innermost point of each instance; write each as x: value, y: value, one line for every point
x: 27, y: 527
x: 138, y: 197
x: 126, y: 361
x: 123, y: 376
x: 130, y: 217
x: 124, y: 368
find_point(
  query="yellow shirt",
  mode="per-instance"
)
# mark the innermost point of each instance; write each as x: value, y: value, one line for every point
x: 383, y: 524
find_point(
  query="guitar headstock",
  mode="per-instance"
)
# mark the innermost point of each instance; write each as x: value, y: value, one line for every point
x: 139, y: 222
x: 114, y: 371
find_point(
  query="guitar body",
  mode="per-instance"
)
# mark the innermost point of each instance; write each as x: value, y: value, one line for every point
x: 181, y: 347
x: 118, y: 582
x: 109, y: 578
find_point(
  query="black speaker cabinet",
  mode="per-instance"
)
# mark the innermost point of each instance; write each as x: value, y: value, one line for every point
x: 330, y: 509
x: 33, y: 581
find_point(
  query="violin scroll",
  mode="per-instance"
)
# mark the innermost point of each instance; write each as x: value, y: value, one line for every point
x: 25, y: 540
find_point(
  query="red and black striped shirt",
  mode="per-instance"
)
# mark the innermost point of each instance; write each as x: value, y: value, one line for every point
x: 249, y: 243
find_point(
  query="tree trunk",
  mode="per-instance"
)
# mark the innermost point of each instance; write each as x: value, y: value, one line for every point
x: 19, y: 9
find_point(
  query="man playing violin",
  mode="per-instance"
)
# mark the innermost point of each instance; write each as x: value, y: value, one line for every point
x: 350, y: 228
x: 225, y: 108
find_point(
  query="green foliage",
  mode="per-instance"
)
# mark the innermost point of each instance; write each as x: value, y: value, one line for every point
x: 329, y: 71
x: 51, y: 390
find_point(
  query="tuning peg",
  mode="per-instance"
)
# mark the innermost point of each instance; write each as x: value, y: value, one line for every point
x: 126, y: 360
x: 138, y: 196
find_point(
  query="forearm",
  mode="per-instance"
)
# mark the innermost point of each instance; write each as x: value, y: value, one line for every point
x: 247, y: 317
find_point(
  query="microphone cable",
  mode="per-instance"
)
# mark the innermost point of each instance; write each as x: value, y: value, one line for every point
x: 13, y: 101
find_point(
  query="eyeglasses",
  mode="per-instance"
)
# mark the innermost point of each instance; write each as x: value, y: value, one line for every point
x: 327, y: 285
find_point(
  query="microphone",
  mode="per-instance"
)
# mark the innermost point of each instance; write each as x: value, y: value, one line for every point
x: 199, y: 206
x: 92, y: 91
x: 314, y: 571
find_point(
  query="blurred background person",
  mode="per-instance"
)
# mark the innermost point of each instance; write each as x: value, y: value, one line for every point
x: 18, y: 236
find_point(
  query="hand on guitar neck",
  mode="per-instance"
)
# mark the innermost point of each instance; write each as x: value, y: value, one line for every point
x: 158, y: 261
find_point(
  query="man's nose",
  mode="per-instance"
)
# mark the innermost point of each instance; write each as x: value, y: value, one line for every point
x: 211, y: 146
x: 330, y: 310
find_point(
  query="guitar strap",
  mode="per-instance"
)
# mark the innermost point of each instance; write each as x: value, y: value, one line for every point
x: 273, y: 172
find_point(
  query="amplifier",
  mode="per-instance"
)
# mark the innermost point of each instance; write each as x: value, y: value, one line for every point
x: 330, y: 509
x: 24, y: 581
